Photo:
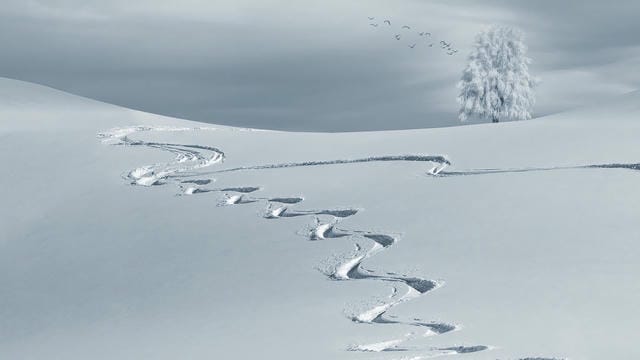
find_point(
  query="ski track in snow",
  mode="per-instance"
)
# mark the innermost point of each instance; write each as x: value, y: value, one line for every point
x: 632, y: 166
x: 440, y: 161
x: 190, y: 158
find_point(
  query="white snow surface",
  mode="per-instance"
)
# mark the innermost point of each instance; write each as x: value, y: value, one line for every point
x: 533, y: 228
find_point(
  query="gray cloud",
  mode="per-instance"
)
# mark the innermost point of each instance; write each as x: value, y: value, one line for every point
x: 316, y: 65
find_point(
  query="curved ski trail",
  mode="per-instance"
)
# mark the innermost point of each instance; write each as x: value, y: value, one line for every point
x: 187, y: 157
x: 191, y: 158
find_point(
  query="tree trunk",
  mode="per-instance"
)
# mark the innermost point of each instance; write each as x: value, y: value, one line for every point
x: 494, y: 119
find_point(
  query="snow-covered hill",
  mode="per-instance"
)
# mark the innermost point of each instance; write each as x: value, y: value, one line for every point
x: 127, y: 235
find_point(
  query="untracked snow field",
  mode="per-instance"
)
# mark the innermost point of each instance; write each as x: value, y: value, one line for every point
x: 128, y: 235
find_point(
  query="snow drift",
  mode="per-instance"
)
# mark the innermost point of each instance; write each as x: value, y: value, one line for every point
x: 524, y: 247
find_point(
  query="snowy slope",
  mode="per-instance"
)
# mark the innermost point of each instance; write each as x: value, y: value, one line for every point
x: 134, y: 236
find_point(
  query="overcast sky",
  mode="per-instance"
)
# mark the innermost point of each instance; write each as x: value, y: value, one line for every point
x: 310, y: 65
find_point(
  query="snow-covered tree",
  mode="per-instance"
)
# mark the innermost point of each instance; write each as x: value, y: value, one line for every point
x: 496, y: 84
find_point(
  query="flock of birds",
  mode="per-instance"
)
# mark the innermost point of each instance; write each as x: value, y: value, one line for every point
x: 446, y: 46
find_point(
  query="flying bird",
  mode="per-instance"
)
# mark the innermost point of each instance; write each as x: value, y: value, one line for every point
x: 388, y: 22
x: 428, y: 33
x: 406, y: 27
x: 374, y: 25
x: 444, y: 45
x: 430, y: 45
x: 397, y: 36
x: 412, y: 46
x: 421, y: 33
x: 371, y: 18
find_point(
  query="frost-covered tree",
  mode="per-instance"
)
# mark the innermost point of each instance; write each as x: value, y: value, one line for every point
x: 496, y: 84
